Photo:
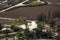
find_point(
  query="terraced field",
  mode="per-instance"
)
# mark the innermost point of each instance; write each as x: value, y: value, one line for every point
x: 30, y: 12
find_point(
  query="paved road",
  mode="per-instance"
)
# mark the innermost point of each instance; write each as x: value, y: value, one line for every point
x: 20, y: 4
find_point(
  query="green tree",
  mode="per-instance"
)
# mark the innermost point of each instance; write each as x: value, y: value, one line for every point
x: 41, y: 17
x: 0, y: 26
x: 22, y: 19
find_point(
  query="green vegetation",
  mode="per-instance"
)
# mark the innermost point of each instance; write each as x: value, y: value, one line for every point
x: 21, y: 20
x: 3, y: 7
x: 35, y: 3
x: 14, y: 2
x: 44, y: 22
x: 26, y: 34
x: 6, y: 5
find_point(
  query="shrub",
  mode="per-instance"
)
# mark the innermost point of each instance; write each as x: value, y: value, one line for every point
x: 35, y: 3
x: 22, y: 19
x: 0, y: 26
x: 3, y: 7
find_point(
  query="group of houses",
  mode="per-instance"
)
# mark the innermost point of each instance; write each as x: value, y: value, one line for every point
x: 31, y: 13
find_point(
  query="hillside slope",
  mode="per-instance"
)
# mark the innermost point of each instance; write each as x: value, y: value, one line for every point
x: 30, y: 12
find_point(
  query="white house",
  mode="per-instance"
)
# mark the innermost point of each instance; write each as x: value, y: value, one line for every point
x: 31, y: 25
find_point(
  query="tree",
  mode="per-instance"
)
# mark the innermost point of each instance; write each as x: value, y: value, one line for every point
x: 41, y: 17
x: 52, y: 23
x: 0, y: 26
x: 22, y: 19
x: 56, y: 14
x: 58, y: 26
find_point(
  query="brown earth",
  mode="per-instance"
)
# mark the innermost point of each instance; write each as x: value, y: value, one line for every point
x: 30, y: 12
